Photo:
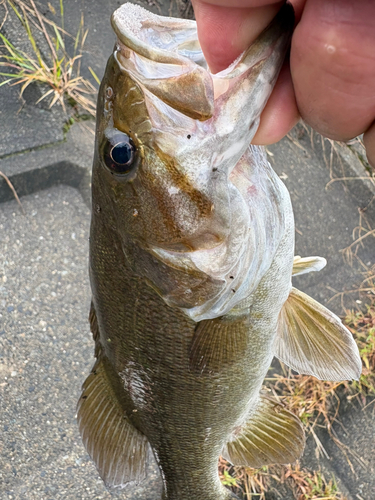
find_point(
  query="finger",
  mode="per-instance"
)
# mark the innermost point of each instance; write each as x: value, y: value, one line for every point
x: 226, y: 30
x: 280, y: 114
x: 333, y: 66
x: 369, y: 142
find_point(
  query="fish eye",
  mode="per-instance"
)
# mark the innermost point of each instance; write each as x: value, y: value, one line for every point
x: 119, y: 153
x: 122, y: 154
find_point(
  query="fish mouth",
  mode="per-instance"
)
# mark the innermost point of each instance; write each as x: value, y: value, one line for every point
x: 165, y: 56
x: 205, y: 275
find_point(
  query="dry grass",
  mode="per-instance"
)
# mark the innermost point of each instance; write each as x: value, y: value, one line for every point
x: 362, y: 325
x: 332, y: 154
x: 60, y: 72
x: 360, y: 234
x: 258, y: 484
x: 5, y: 177
x: 308, y: 485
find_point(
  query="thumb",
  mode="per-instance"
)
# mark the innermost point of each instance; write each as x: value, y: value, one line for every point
x: 227, y: 27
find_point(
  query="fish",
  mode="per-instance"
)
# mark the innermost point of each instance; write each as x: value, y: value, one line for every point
x: 191, y: 264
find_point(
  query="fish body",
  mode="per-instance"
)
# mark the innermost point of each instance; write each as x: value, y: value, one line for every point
x: 191, y: 258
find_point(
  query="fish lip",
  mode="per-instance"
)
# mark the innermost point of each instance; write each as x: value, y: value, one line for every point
x: 130, y: 40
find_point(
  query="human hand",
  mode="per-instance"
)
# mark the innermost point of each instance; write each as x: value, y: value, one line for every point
x: 330, y: 81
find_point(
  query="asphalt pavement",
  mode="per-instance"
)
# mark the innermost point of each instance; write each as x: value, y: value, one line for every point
x: 46, y: 349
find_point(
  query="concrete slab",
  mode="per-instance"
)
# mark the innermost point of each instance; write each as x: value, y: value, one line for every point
x: 25, y: 125
x: 20, y: 133
x: 356, y: 431
x: 68, y: 162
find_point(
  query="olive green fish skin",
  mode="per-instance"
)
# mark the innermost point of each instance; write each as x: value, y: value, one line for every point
x: 187, y: 411
x: 186, y: 416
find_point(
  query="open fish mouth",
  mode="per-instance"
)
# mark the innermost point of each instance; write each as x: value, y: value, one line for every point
x: 220, y: 229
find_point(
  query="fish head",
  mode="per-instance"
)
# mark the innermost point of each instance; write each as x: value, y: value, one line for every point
x: 169, y: 137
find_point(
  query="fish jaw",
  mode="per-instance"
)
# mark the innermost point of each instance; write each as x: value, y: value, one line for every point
x: 182, y: 220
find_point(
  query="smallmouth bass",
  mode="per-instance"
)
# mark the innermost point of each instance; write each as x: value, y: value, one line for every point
x: 191, y: 259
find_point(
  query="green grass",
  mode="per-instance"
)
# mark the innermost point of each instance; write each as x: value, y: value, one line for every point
x: 60, y: 71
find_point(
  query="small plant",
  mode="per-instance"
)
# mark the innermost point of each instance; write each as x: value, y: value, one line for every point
x: 320, y: 488
x: 227, y: 479
x: 245, y: 481
x: 362, y: 325
x: 61, y: 73
x: 308, y: 485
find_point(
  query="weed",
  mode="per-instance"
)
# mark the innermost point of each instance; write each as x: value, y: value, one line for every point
x: 76, y: 118
x: 227, y: 479
x: 245, y: 481
x: 362, y: 325
x: 308, y: 485
x: 256, y: 484
x: 61, y: 73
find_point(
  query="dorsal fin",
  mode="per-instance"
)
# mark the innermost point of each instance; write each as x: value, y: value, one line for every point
x: 271, y: 435
x: 118, y: 449
x: 313, y: 341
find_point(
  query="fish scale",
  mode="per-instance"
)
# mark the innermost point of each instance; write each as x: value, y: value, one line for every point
x: 191, y: 260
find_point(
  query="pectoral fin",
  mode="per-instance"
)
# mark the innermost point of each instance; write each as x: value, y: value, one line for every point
x: 303, y: 265
x: 313, y: 341
x: 218, y: 343
x: 118, y: 449
x: 272, y: 435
